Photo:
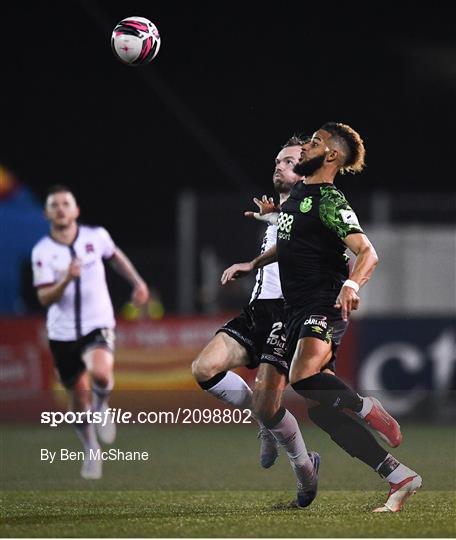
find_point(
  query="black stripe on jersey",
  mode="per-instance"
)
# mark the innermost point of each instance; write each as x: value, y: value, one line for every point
x: 259, y: 283
x: 77, y: 299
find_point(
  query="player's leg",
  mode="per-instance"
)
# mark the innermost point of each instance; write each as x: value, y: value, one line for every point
x: 314, y: 353
x: 238, y: 343
x: 81, y: 401
x: 267, y: 407
x: 98, y: 357
x: 75, y: 378
x: 353, y: 437
x: 211, y: 370
x: 307, y: 379
x: 100, y: 362
x: 266, y: 400
x: 358, y: 441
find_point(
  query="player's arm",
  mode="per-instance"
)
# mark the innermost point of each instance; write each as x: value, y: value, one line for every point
x: 49, y: 294
x: 268, y: 211
x: 123, y: 266
x: 363, y: 268
x: 242, y: 269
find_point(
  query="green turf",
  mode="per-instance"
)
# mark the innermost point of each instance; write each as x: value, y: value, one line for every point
x: 206, y: 482
x: 220, y: 514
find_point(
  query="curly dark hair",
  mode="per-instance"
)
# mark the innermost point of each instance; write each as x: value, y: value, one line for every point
x: 352, y: 145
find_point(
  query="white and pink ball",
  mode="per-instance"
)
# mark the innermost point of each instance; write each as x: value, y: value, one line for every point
x: 135, y: 41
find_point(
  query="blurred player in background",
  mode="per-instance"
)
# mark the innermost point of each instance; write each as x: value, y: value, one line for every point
x: 316, y: 225
x: 253, y: 339
x: 69, y: 275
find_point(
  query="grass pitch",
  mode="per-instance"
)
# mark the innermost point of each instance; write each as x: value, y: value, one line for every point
x: 206, y: 482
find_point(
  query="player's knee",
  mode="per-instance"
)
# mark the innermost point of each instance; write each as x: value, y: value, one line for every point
x: 102, y: 375
x: 196, y: 371
x: 203, y: 369
x: 298, y: 373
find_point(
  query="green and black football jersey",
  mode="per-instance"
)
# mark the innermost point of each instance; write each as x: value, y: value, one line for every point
x: 312, y: 260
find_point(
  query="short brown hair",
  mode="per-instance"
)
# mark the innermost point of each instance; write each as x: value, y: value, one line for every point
x: 58, y: 188
x: 296, y: 140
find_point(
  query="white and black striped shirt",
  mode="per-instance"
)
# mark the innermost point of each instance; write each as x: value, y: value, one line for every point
x: 267, y: 286
x: 85, y: 304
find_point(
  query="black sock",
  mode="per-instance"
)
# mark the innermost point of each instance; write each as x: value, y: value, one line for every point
x: 387, y: 466
x: 329, y: 390
x: 205, y: 385
x: 349, y: 434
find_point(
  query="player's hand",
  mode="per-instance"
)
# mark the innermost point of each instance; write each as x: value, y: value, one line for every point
x: 269, y: 212
x: 74, y: 270
x: 236, y: 271
x: 140, y: 294
x: 347, y: 301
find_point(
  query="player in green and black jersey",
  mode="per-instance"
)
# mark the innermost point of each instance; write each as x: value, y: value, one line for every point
x: 312, y: 228
x: 315, y: 227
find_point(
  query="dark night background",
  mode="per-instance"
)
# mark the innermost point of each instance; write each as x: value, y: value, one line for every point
x: 230, y: 84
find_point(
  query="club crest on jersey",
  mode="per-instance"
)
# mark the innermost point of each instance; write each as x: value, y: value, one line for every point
x: 306, y: 205
x: 89, y: 248
x: 317, y: 320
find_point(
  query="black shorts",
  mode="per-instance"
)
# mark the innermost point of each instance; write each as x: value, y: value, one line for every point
x: 68, y: 354
x: 259, y: 330
x: 320, y: 322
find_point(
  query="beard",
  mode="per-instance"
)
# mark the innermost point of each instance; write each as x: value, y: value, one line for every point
x: 308, y: 168
x: 281, y: 186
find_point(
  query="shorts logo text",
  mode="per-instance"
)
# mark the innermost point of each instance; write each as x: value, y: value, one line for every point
x: 317, y: 320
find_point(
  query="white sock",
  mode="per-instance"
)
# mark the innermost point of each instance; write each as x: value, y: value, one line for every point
x: 288, y: 435
x: 233, y: 390
x: 394, y: 471
x: 87, y: 435
x: 100, y: 395
x: 400, y: 473
x: 367, y: 407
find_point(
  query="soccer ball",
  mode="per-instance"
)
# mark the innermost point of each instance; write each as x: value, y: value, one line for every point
x: 135, y: 41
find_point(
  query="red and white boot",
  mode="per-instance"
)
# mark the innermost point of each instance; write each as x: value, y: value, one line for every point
x: 383, y: 423
x: 399, y: 493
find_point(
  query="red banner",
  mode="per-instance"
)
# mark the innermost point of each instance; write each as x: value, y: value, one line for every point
x: 153, y: 359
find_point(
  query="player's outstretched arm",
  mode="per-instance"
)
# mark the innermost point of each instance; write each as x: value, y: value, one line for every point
x: 123, y: 266
x: 365, y: 263
x: 268, y: 211
x: 49, y: 294
x: 239, y: 270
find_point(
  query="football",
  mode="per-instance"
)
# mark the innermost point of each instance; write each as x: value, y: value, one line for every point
x: 135, y: 41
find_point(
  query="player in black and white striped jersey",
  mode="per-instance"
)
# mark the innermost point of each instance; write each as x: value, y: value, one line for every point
x: 254, y: 339
x: 267, y: 283
x: 69, y: 277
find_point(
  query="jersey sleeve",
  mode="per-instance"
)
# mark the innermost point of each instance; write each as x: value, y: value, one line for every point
x: 106, y: 243
x: 43, y: 273
x: 337, y: 214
